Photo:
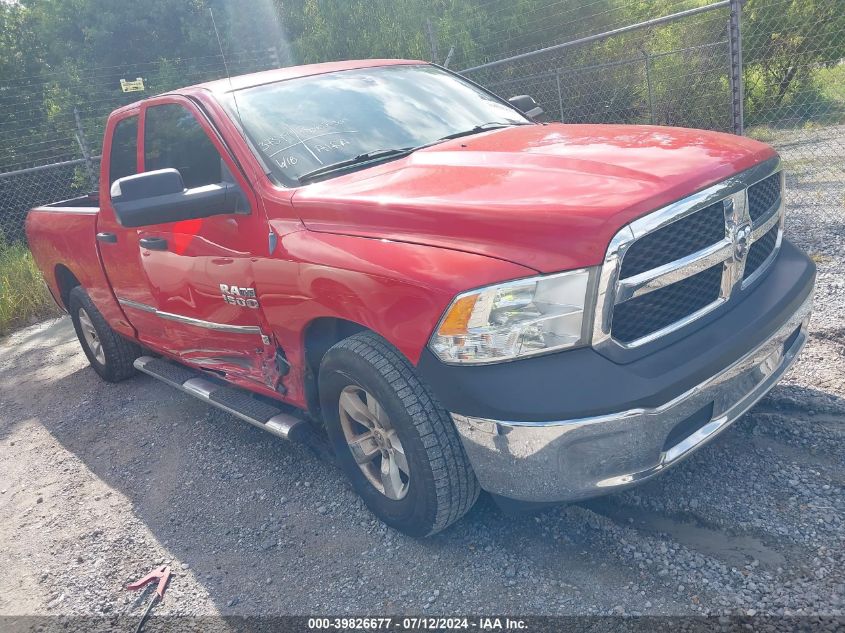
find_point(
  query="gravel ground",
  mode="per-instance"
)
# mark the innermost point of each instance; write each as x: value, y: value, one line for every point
x: 100, y: 482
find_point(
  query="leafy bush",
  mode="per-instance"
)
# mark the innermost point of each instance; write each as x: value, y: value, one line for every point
x: 23, y: 295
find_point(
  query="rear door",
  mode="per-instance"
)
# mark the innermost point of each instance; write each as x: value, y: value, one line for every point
x: 198, y: 273
x: 119, y: 248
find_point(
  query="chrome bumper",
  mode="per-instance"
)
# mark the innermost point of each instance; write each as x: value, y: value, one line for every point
x: 567, y: 460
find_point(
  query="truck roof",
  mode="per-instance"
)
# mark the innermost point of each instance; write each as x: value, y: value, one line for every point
x: 294, y: 72
x: 239, y: 82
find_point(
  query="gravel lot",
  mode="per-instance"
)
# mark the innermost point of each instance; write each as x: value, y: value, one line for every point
x: 99, y: 483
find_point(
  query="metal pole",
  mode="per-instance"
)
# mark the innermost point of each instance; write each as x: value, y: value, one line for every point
x: 559, y: 94
x: 432, y: 40
x: 86, y: 151
x: 275, y: 57
x: 449, y: 57
x: 648, y: 83
x: 606, y: 34
x: 32, y: 170
x: 735, y: 49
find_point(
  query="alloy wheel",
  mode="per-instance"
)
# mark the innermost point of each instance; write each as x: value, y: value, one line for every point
x: 92, y: 339
x: 373, y: 442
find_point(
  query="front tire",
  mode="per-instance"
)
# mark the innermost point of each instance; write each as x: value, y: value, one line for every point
x: 394, y: 441
x: 110, y: 354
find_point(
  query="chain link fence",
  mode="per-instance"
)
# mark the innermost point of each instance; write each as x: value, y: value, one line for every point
x: 771, y: 69
x: 23, y: 189
x: 794, y: 63
x: 51, y: 126
x: 671, y: 70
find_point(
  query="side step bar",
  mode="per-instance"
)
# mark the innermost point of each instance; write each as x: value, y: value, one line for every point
x: 236, y: 401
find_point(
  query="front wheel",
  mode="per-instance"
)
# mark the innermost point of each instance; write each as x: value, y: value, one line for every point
x: 394, y: 441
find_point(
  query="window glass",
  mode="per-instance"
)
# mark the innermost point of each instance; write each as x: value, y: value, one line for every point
x: 304, y: 124
x: 124, y: 149
x: 174, y: 138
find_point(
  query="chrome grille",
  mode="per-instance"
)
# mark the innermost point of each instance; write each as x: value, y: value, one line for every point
x: 763, y: 196
x: 675, y: 265
x: 678, y: 239
x: 760, y: 251
x: 649, y: 313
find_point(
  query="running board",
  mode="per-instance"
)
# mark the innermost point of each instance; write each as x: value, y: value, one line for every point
x: 233, y: 400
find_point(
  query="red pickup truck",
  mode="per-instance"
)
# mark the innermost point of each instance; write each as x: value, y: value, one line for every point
x: 453, y: 295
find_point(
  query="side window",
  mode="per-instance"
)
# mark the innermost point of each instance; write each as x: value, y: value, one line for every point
x: 174, y: 138
x: 124, y: 149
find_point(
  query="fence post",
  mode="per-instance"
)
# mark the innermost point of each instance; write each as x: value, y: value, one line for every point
x: 735, y: 47
x: 274, y: 57
x: 85, y: 149
x: 449, y: 56
x: 432, y: 39
x: 648, y: 83
x: 559, y: 94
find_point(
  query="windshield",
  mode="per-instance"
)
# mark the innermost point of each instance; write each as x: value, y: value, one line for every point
x: 302, y: 125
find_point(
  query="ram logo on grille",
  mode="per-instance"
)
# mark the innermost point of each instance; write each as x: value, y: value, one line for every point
x: 742, y: 241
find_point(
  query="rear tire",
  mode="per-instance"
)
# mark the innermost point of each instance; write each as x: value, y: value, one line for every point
x: 394, y: 441
x: 110, y: 354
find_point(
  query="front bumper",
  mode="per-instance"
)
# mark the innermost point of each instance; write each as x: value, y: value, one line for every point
x: 581, y: 456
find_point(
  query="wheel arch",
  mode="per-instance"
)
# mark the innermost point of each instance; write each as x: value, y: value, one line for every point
x: 65, y: 282
x: 318, y: 337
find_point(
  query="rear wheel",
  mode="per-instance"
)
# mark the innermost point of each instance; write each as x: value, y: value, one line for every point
x: 394, y: 441
x: 110, y: 354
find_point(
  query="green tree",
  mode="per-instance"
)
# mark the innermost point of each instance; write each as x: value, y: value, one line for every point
x: 784, y: 44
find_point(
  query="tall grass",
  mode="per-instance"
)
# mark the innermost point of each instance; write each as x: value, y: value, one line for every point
x: 23, y: 295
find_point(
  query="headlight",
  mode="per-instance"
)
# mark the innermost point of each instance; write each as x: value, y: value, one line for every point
x: 515, y: 319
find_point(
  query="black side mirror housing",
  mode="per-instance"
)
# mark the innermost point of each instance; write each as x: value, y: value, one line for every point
x: 160, y: 196
x: 527, y: 105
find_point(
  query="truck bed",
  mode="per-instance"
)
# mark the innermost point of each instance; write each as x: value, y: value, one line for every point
x: 62, y: 238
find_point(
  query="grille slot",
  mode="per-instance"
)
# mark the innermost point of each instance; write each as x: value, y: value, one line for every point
x: 763, y: 196
x: 760, y: 250
x: 676, y: 240
x: 649, y: 313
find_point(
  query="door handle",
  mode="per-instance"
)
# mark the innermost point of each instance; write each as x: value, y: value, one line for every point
x: 107, y: 238
x: 153, y: 243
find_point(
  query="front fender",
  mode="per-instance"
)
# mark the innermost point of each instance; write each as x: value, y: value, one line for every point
x: 396, y: 289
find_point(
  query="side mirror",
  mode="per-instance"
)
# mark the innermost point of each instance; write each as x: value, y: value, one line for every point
x: 527, y: 105
x: 156, y: 197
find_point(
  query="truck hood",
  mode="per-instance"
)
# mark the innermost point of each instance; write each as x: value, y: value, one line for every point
x: 549, y: 197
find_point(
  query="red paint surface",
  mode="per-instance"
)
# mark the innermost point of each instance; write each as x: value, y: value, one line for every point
x: 548, y: 197
x: 386, y: 247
